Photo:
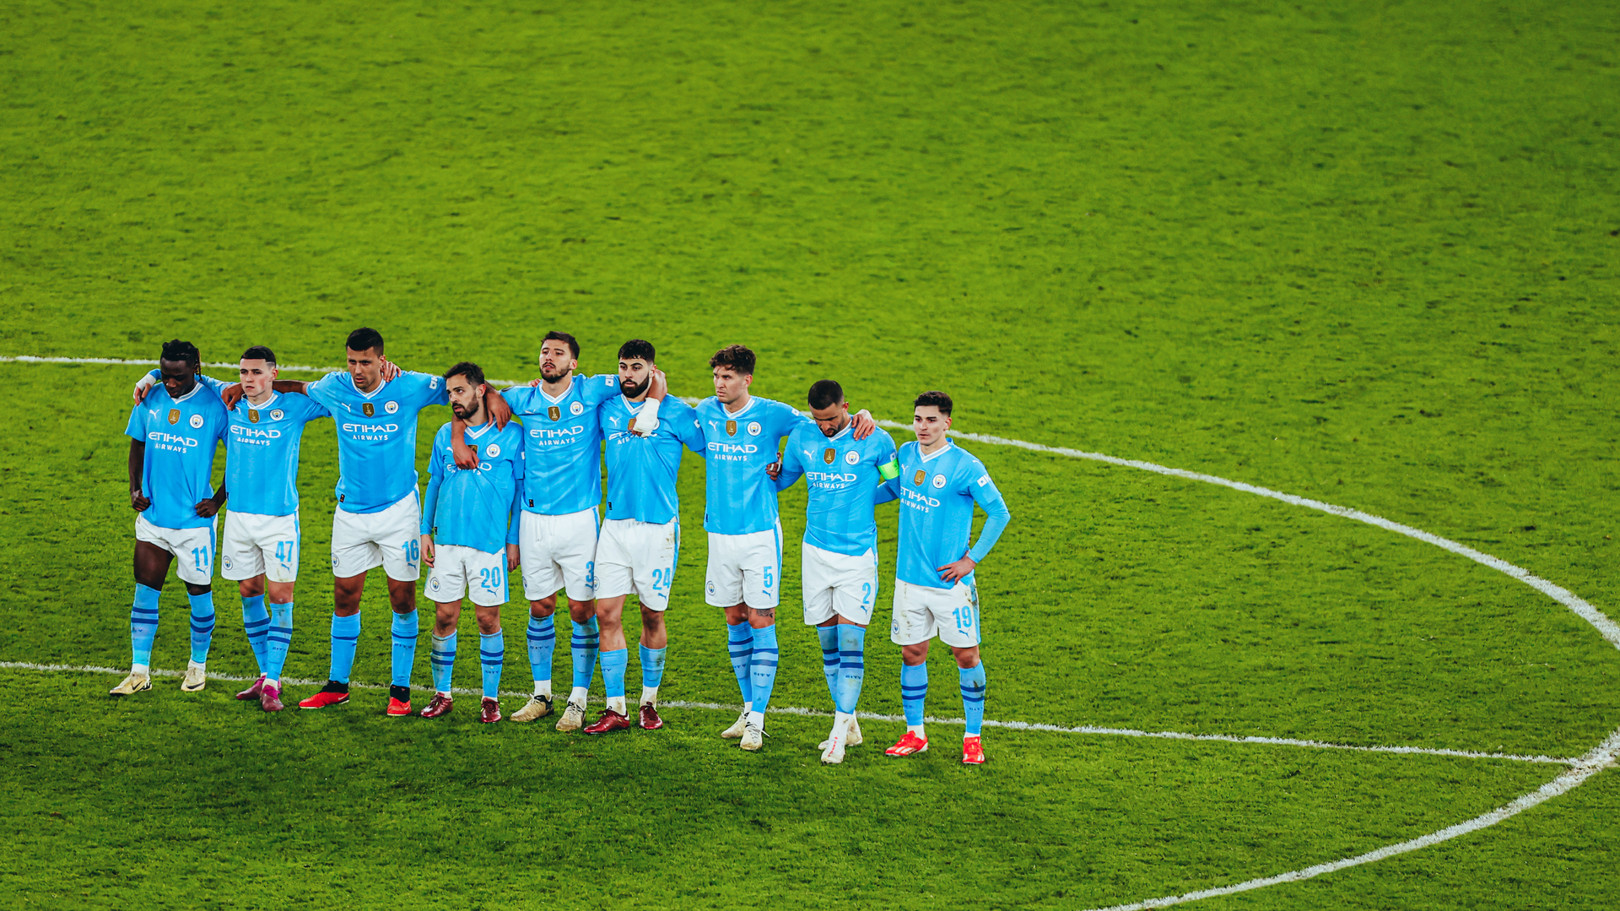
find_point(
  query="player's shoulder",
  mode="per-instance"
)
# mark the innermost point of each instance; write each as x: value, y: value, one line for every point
x: 910, y: 450
x: 880, y: 439
x: 511, y: 434
x: 966, y: 460
x: 441, y: 437
x: 520, y: 398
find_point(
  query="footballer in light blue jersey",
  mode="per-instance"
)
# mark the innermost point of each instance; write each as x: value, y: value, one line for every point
x: 563, y: 442
x: 376, y: 432
x: 839, y: 565
x: 470, y: 534
x: 173, y: 435
x: 935, y: 592
x: 642, y: 470
x: 739, y: 496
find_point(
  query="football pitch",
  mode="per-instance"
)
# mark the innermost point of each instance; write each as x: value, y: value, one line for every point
x: 1288, y: 332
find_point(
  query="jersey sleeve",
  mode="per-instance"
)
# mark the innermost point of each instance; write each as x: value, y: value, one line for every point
x: 514, y: 512
x: 324, y: 391
x: 307, y: 408
x: 888, y: 460
x: 684, y: 424
x: 792, y: 464
x: 430, y: 389
x: 600, y: 388
x: 136, y: 428
x: 430, y: 500
x: 997, y: 515
x: 520, y: 399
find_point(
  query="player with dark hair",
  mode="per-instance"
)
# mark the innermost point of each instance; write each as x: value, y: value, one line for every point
x: 173, y: 435
x: 839, y: 554
x: 742, y: 436
x: 469, y: 535
x: 935, y: 592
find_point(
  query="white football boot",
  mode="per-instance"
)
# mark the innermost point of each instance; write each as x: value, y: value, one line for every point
x: 573, y: 718
x: 738, y: 727
x: 196, y: 678
x: 134, y: 683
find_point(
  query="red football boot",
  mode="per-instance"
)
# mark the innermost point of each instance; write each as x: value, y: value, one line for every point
x: 649, y: 717
x: 437, y: 707
x: 253, y: 691
x: 909, y: 745
x: 270, y: 699
x: 489, y: 712
x: 609, y: 722
x: 972, y: 751
x: 330, y: 695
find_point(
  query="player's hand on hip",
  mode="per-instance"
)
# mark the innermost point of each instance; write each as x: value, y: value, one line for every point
x: 511, y: 557
x: 774, y: 470
x: 142, y: 385
x: 208, y: 509
x: 956, y: 572
x: 138, y: 502
x: 230, y: 395
x: 427, y: 550
x: 864, y: 424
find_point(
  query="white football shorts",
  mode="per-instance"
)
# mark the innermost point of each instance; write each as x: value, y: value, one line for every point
x: 637, y: 558
x: 193, y: 548
x: 745, y: 569
x: 463, y: 572
x: 558, y: 552
x: 391, y: 539
x: 255, y: 544
x: 921, y: 612
x: 838, y: 584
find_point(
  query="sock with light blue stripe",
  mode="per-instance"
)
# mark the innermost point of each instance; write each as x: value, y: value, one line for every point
x: 542, y: 644
x: 587, y: 638
x: 278, y: 640
x: 143, y: 622
x: 740, y: 640
x: 256, y: 622
x: 444, y: 662
x: 829, y: 658
x: 202, y: 626
x: 851, y: 666
x: 762, y: 668
x: 405, y: 631
x: 492, y: 654
x: 345, y: 638
x: 652, y: 666
x: 973, y: 698
x: 913, y: 692
x: 614, y: 661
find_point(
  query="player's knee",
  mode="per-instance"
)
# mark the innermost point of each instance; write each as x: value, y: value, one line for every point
x: 489, y: 620
x: 581, y: 611
x: 967, y: 658
x: 543, y: 608
x: 251, y: 588
x: 197, y: 589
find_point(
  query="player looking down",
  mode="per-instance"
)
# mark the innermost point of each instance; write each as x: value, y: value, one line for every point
x: 173, y: 434
x: 839, y: 555
x: 470, y: 535
x: 934, y: 589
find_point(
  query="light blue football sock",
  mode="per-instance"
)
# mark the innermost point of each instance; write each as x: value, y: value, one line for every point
x: 202, y: 625
x: 740, y: 640
x: 542, y: 635
x: 587, y: 638
x: 278, y: 640
x: 652, y: 666
x: 405, y: 632
x: 143, y: 622
x: 973, y: 697
x: 829, y: 658
x: 913, y: 691
x: 345, y: 638
x: 614, y: 661
x: 851, y: 666
x: 492, y: 653
x: 762, y: 667
x: 256, y: 622
x: 444, y: 662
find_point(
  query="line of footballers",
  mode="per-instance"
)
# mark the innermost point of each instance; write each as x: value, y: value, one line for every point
x: 504, y: 494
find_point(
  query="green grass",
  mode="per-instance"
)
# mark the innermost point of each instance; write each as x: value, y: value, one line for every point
x: 1360, y: 253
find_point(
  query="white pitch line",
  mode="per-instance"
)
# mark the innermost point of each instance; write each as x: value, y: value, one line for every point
x: 898, y: 719
x: 1600, y: 757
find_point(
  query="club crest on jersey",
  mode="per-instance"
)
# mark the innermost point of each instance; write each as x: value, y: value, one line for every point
x: 277, y: 414
x: 731, y: 428
x: 196, y: 422
x: 576, y: 409
x: 554, y: 413
x: 829, y: 455
x: 919, y: 477
x: 493, y: 450
x: 754, y: 428
x: 368, y: 409
x: 852, y: 457
x: 391, y: 407
x: 939, y: 482
x: 253, y: 416
x: 174, y: 415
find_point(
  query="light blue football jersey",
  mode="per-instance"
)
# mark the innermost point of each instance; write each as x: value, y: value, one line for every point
x: 843, y: 474
x: 376, y: 435
x: 261, y: 453
x: 180, y: 436
x: 562, y: 444
x: 740, y: 498
x: 641, y: 471
x: 936, y: 496
x: 476, y: 507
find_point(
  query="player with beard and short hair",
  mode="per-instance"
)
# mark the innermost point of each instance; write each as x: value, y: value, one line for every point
x: 470, y: 535
x: 934, y: 588
x: 641, y: 538
x: 173, y: 435
x: 559, y: 523
x: 839, y: 560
